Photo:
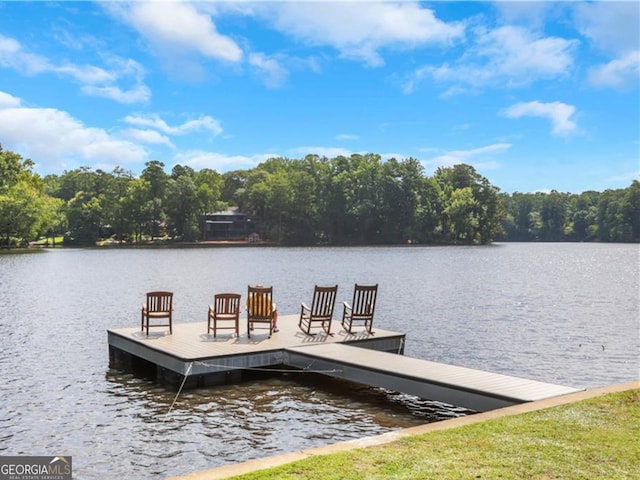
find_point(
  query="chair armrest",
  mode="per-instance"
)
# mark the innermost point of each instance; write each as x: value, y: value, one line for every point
x: 304, y: 306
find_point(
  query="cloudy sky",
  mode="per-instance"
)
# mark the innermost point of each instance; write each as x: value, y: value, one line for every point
x: 535, y: 95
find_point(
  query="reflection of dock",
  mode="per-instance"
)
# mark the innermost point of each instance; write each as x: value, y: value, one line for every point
x: 207, y: 361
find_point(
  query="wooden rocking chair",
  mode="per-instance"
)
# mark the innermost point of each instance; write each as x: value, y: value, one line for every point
x: 260, y: 308
x: 362, y: 308
x: 321, y: 311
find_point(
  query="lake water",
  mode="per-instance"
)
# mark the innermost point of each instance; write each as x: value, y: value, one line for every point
x: 561, y: 313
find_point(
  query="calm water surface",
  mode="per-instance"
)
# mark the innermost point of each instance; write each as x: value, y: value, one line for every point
x: 562, y: 313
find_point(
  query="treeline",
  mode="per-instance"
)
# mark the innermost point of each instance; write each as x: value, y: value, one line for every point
x: 358, y: 199
x: 610, y: 216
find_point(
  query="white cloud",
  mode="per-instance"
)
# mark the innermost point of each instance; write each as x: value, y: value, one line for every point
x: 173, y: 28
x: 614, y: 28
x: 7, y: 100
x: 482, y: 157
x: 55, y: 140
x: 510, y: 56
x: 329, y: 152
x: 204, y: 122
x: 272, y: 73
x: 623, y: 178
x: 358, y: 30
x: 95, y: 81
x: 532, y: 14
x: 138, y: 94
x: 347, y: 137
x: 147, y: 136
x: 12, y: 55
x: 199, y: 159
x: 622, y: 72
x: 557, y: 112
x: 611, y: 26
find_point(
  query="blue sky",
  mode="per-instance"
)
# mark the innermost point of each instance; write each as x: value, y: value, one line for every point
x: 535, y: 95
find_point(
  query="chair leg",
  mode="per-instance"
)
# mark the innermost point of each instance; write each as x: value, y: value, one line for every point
x: 328, y: 328
x: 344, y: 325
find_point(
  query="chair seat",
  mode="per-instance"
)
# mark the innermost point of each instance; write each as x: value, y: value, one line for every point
x: 226, y: 316
x: 157, y: 314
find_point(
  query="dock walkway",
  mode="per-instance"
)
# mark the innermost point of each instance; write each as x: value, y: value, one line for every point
x: 192, y: 358
x: 464, y: 387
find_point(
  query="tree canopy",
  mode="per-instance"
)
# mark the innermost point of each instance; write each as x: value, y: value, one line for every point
x: 359, y: 199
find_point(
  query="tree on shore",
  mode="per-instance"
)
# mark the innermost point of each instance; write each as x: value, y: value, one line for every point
x: 26, y: 211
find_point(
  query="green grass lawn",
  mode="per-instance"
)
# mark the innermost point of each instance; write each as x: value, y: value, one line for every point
x: 598, y: 438
x: 42, y: 241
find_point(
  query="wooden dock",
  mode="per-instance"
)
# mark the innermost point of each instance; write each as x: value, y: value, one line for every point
x: 192, y: 358
x: 208, y: 361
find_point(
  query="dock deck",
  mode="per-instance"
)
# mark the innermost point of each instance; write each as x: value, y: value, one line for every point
x: 192, y: 356
x: 191, y: 351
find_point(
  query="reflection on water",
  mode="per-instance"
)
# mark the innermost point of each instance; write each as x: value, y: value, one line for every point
x: 562, y: 313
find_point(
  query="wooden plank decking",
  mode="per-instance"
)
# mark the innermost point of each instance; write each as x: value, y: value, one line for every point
x: 191, y: 352
x: 465, y: 387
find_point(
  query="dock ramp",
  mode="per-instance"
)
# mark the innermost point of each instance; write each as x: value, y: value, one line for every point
x: 465, y: 387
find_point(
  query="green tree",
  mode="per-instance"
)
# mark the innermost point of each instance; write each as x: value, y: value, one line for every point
x: 138, y: 207
x: 460, y: 211
x: 473, y: 215
x: 154, y: 174
x: 25, y: 209
x: 182, y: 207
x: 631, y: 210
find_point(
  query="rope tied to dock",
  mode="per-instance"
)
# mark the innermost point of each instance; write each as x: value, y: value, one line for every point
x: 307, y: 369
x: 184, y: 380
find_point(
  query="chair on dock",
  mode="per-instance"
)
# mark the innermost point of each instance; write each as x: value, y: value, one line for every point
x: 225, y: 308
x: 260, y: 308
x: 159, y: 305
x: 360, y: 311
x: 321, y: 311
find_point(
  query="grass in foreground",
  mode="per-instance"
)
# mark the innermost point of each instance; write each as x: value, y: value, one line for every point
x: 597, y: 438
